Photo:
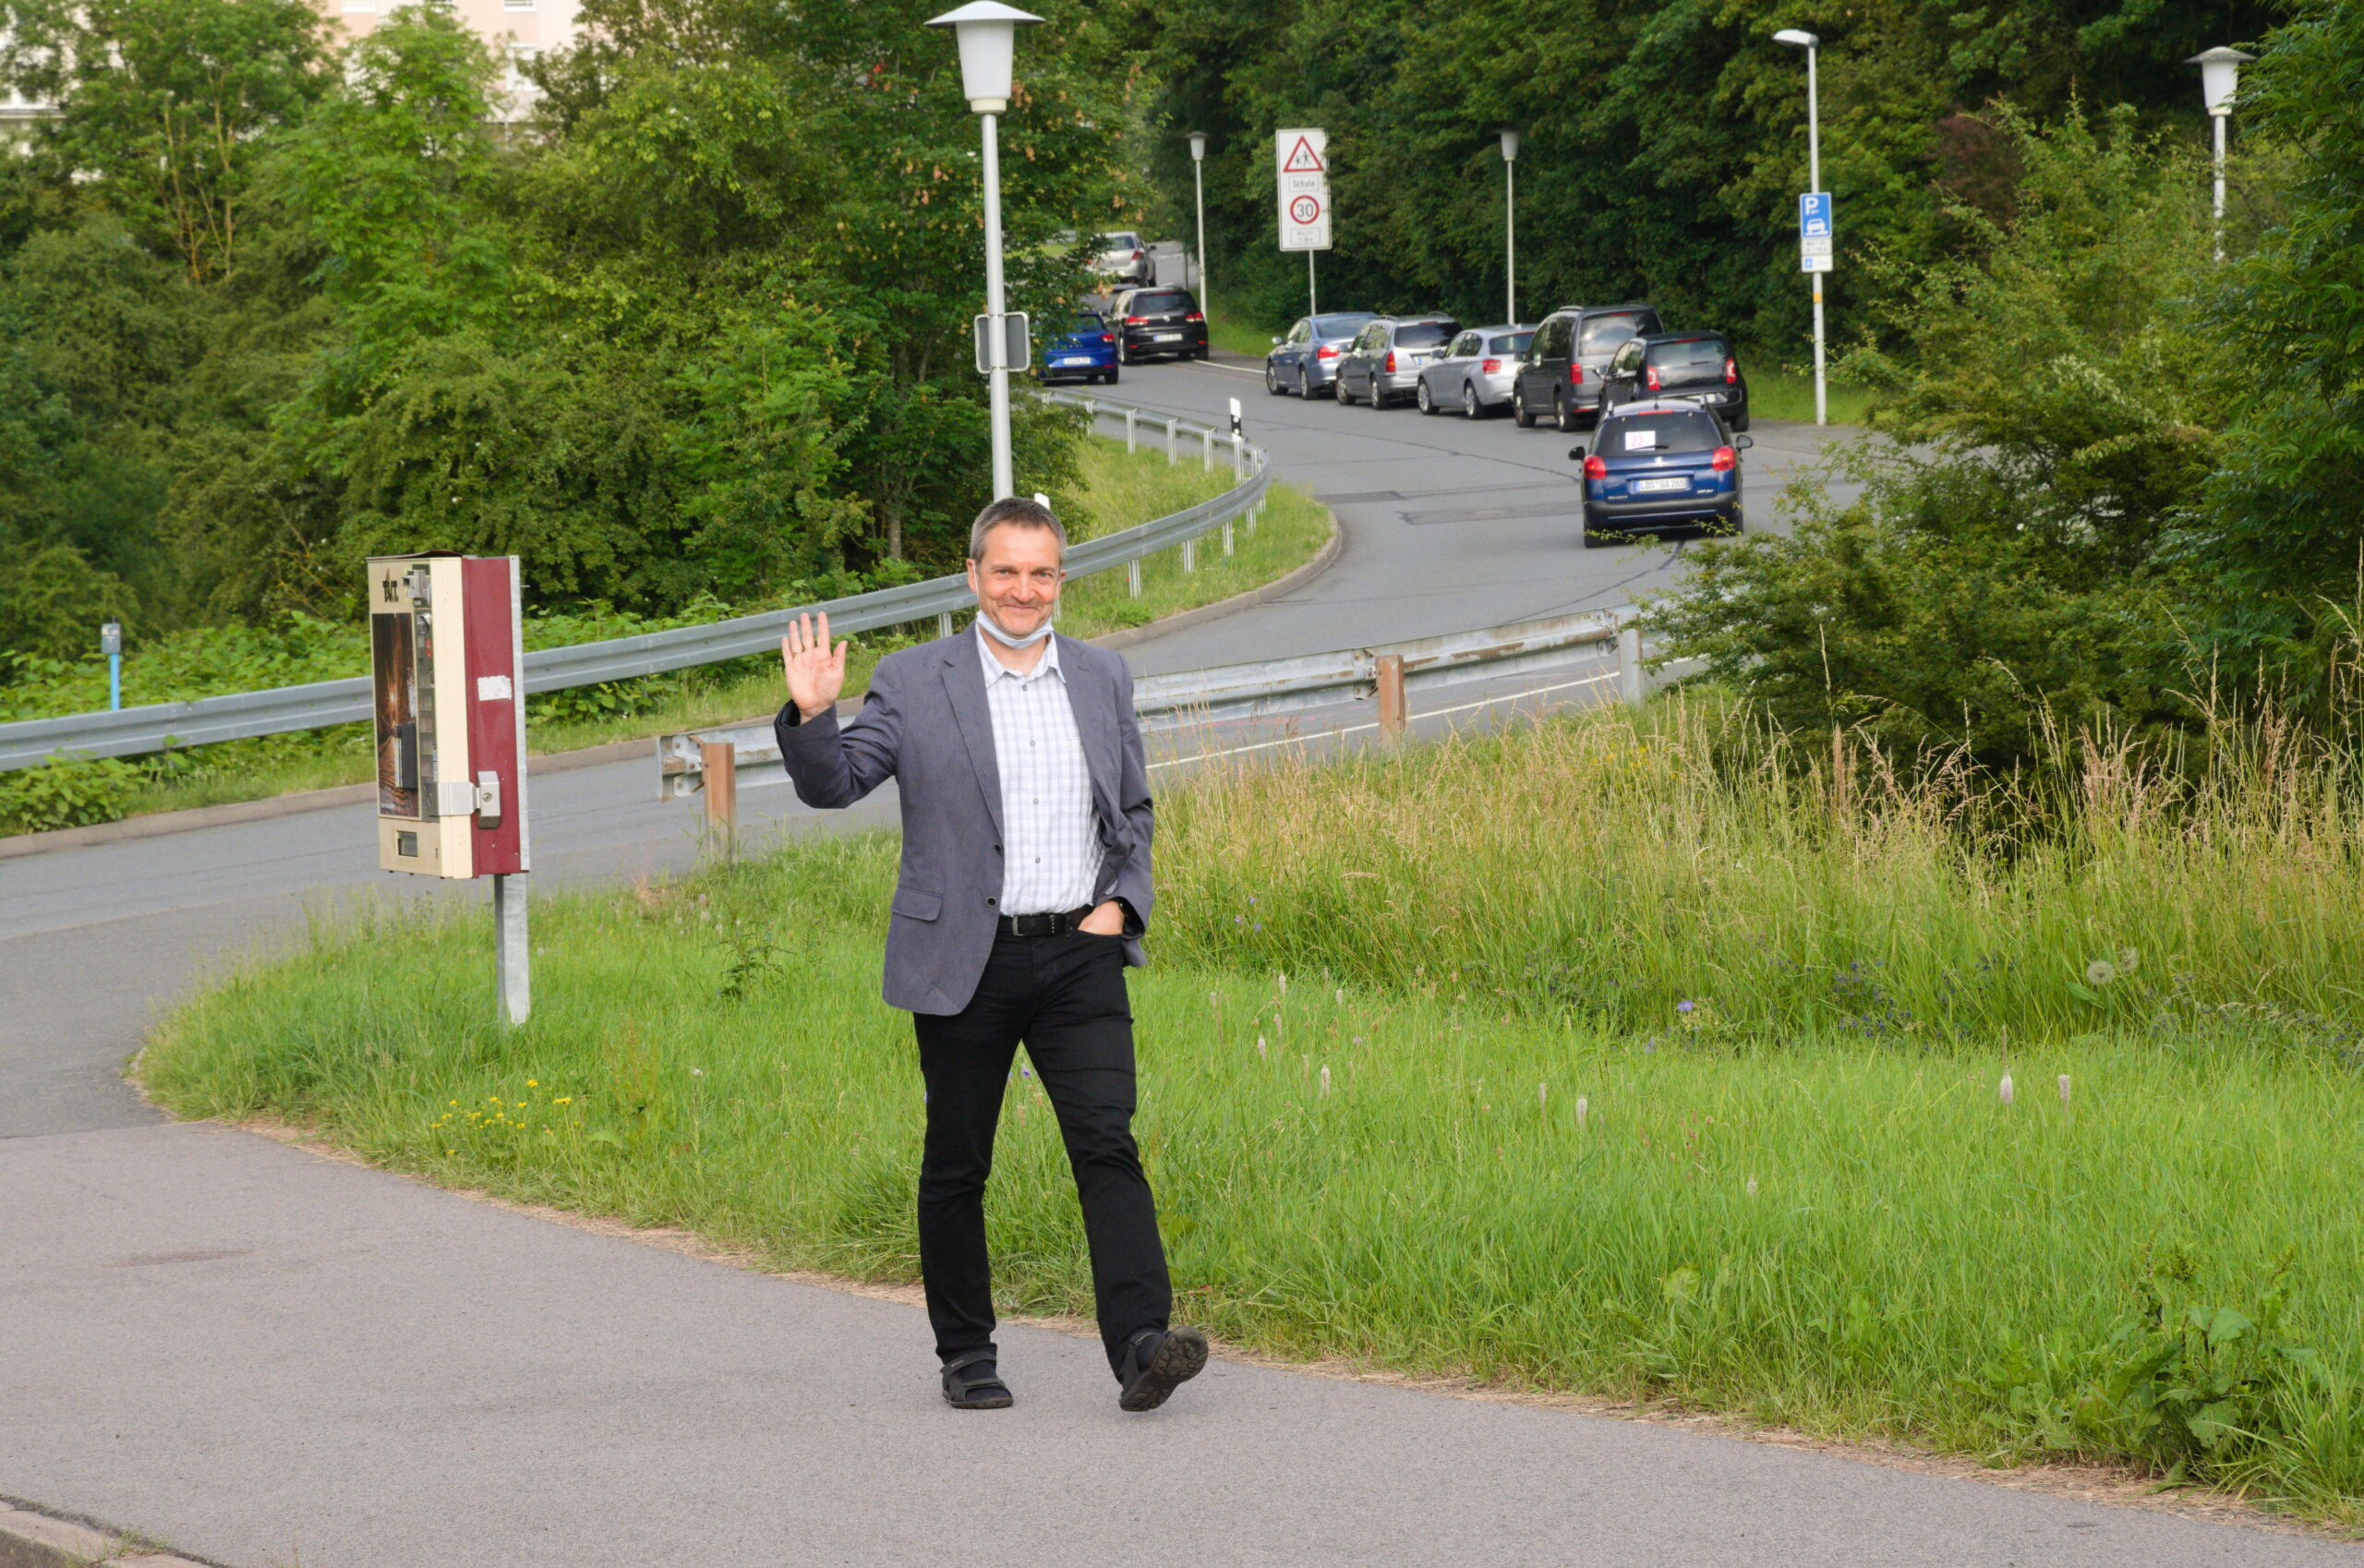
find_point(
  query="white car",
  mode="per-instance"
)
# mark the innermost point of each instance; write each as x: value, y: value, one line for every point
x: 1125, y: 260
x: 1476, y: 371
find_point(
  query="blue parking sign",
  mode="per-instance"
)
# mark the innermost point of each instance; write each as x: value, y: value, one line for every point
x: 1814, y: 215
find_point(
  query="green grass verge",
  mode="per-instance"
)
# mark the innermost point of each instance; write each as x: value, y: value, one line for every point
x: 1788, y: 393
x: 1608, y: 1057
x: 1239, y: 337
x: 1118, y: 489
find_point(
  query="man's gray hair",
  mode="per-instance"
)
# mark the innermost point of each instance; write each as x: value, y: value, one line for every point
x: 1013, y: 512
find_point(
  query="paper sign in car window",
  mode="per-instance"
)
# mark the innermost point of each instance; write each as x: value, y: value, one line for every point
x: 1641, y: 441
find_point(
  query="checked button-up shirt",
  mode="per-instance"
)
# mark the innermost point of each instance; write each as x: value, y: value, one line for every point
x: 1051, y: 832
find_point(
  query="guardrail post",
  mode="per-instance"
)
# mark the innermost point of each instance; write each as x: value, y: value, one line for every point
x: 513, y: 950
x: 1132, y: 432
x: 1631, y: 685
x: 1207, y: 449
x: 1172, y: 435
x: 943, y: 623
x: 1238, y: 459
x: 1133, y: 576
x: 1389, y: 669
x: 1226, y: 539
x: 718, y: 761
x: 1189, y: 555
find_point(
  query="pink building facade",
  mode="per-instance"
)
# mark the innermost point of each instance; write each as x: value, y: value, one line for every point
x: 518, y: 29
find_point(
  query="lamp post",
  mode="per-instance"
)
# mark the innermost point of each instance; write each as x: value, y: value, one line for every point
x: 1813, y: 46
x: 1199, y: 189
x: 986, y: 32
x: 2219, y: 74
x: 1509, y: 225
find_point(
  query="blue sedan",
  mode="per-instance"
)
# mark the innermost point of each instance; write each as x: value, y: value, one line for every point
x: 1086, y: 351
x: 1657, y: 466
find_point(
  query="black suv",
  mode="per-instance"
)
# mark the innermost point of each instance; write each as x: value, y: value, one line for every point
x: 1560, y: 379
x: 1696, y: 367
x: 1159, y: 320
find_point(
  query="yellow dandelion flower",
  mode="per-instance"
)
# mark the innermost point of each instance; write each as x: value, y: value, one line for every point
x: 533, y: 1083
x: 563, y: 1099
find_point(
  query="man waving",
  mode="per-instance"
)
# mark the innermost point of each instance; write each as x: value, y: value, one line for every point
x: 1023, y: 894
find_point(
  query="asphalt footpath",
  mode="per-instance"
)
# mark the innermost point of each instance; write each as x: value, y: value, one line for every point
x: 261, y: 1357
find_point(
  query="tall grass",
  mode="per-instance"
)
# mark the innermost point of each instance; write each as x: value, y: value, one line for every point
x: 1420, y: 1087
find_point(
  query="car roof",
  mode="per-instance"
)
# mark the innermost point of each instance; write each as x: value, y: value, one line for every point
x: 1605, y: 309
x: 1658, y: 405
x: 1682, y: 337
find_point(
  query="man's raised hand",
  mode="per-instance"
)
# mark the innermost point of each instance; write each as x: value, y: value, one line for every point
x: 816, y: 672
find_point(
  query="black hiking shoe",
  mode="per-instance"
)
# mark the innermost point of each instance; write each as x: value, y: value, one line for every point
x: 973, y: 1383
x: 1156, y: 1363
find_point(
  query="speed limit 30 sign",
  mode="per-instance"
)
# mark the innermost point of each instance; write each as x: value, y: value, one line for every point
x: 1301, y: 166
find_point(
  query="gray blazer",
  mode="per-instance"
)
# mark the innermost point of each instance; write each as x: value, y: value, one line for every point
x: 926, y: 724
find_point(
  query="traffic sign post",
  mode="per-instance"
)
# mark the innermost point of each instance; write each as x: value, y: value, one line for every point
x: 1301, y: 169
x: 1817, y: 233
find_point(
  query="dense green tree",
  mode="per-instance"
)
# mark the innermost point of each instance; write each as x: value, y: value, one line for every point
x: 167, y: 105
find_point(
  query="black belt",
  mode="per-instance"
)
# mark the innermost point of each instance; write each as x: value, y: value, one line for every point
x: 1043, y: 925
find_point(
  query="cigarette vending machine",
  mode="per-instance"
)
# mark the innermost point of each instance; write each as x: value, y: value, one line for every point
x: 448, y: 665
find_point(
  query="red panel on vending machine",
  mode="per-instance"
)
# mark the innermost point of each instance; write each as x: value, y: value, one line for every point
x: 496, y: 687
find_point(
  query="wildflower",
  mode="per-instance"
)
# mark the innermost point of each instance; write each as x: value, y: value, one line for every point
x: 1542, y: 1096
x: 563, y: 1099
x: 1751, y: 1186
x: 2004, y: 1089
x: 1683, y: 1007
x: 2064, y: 1089
x: 1281, y: 976
x: 697, y: 1072
x: 1239, y: 920
x: 2099, y: 972
x: 1260, y: 1048
x: 1325, y: 1080
x: 533, y: 1083
x: 1341, y: 995
x: 2128, y: 960
x: 1583, y: 1106
x: 1025, y: 1072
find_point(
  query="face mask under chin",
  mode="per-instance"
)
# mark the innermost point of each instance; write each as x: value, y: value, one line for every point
x: 993, y: 630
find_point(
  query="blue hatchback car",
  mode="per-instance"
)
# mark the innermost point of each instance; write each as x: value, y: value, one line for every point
x: 1086, y: 351
x: 1657, y: 466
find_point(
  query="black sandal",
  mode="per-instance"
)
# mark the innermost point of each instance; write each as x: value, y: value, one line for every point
x: 973, y: 1383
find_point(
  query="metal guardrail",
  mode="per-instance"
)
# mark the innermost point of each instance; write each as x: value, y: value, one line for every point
x: 1242, y: 691
x: 244, y: 715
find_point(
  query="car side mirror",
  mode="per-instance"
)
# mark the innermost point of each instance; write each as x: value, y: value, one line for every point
x: 1741, y: 443
x: 1576, y: 454
x: 1276, y: 343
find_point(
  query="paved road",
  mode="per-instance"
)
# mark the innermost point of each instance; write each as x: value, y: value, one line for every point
x: 266, y: 1357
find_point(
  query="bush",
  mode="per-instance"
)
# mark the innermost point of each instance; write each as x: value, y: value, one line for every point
x: 67, y: 793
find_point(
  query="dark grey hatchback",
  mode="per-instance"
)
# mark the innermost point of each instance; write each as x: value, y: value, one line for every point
x: 1697, y: 366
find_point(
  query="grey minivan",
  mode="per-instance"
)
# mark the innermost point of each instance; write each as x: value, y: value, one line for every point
x: 1560, y: 379
x: 1383, y: 363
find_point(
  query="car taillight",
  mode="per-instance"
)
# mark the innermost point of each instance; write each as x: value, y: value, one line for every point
x: 1731, y: 371
x: 1576, y: 374
x: 1650, y: 378
x: 1391, y: 362
x: 1195, y: 316
x: 1107, y: 337
x: 1725, y: 460
x: 1327, y: 351
x: 1491, y: 367
x: 1596, y: 469
x: 1137, y: 254
x: 1137, y: 321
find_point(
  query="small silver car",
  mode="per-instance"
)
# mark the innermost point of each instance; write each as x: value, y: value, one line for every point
x: 1384, y: 362
x: 1476, y: 372
x: 1125, y: 260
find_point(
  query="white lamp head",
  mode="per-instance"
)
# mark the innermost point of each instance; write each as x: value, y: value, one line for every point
x: 1198, y: 146
x: 1510, y: 145
x: 2220, y: 73
x: 1797, y: 39
x: 987, y: 32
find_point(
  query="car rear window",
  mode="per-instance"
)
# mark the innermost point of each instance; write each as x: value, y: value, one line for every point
x: 1426, y: 335
x: 1690, y: 352
x: 1339, y: 326
x: 1509, y: 342
x: 1161, y: 299
x: 1120, y: 242
x: 1674, y: 430
x: 1603, y: 334
x: 1088, y: 322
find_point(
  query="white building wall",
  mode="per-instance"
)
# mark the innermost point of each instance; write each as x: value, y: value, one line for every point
x: 516, y: 29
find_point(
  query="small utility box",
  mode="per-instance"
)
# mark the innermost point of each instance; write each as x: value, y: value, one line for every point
x: 447, y: 663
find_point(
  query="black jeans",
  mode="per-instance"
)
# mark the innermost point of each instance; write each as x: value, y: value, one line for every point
x: 1065, y: 997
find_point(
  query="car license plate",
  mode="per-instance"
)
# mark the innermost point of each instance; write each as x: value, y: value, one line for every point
x: 1653, y: 487
x: 1075, y: 361
x: 1165, y: 337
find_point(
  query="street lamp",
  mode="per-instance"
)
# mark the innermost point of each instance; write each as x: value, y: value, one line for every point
x: 2219, y: 74
x: 1509, y: 225
x: 1199, y: 187
x: 986, y: 32
x: 1812, y: 46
